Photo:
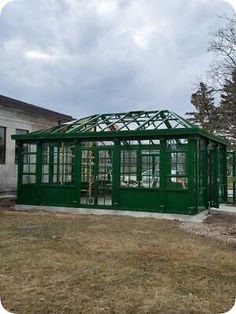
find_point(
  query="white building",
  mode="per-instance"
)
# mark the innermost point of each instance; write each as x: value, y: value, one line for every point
x: 17, y: 117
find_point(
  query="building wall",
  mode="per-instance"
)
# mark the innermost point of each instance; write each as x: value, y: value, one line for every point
x: 13, y: 119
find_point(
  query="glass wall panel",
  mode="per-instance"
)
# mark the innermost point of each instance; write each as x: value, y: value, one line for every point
x: 128, y: 168
x: 104, y: 177
x: 29, y: 163
x: 57, y: 163
x: 87, y: 192
x: 177, y: 177
x: 140, y: 167
x: 150, y: 142
x: 129, y: 142
x: 45, y: 162
x: 150, y: 163
x: 97, y: 143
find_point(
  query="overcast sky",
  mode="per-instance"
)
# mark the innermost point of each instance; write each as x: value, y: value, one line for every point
x: 88, y: 56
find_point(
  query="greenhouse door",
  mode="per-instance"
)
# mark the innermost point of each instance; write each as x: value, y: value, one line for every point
x: 96, y: 176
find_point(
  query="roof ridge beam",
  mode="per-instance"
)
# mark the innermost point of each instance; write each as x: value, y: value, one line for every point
x: 137, y: 113
x: 114, y: 122
x: 149, y: 120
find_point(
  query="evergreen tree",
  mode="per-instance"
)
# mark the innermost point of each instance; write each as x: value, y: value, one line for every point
x: 205, y: 115
x: 227, y: 110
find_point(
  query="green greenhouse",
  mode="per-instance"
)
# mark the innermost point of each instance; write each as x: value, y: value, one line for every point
x: 153, y: 161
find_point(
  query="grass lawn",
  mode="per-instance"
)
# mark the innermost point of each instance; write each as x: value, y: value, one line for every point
x: 55, y: 263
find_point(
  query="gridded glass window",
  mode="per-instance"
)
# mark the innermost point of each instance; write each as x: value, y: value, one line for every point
x: 18, y: 132
x: 96, y: 143
x: 66, y: 161
x: 176, y: 164
x: 87, y: 165
x: 128, y: 168
x: 2, y: 145
x: 57, y: 163
x: 29, y: 163
x: 150, y: 142
x: 45, y: 163
x: 104, y: 177
x: 128, y: 142
x: 150, y: 162
x: 87, y: 176
x: 177, y: 144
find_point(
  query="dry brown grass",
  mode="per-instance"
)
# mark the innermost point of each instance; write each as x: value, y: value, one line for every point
x: 52, y: 263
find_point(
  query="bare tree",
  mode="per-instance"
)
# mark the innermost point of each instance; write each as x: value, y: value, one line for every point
x: 223, y: 46
x: 220, y: 118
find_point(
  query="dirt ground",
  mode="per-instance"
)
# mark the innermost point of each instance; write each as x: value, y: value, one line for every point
x: 64, y: 263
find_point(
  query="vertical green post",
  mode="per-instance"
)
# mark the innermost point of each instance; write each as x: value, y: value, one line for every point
x: 163, y: 175
x: 205, y: 172
x: 39, y: 172
x: 192, y: 175
x: 95, y: 152
x: 116, y: 175
x: 39, y: 163
x: 223, y: 151
x: 77, y: 173
x: 139, y: 164
x: 215, y: 173
x: 197, y: 173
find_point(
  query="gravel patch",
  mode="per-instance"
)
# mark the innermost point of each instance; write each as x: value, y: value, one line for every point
x: 217, y: 226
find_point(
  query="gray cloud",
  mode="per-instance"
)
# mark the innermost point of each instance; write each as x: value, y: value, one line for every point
x: 83, y: 57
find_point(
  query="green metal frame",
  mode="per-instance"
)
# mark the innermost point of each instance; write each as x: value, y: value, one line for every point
x: 116, y: 122
x: 173, y: 167
x: 231, y: 177
x: 134, y: 124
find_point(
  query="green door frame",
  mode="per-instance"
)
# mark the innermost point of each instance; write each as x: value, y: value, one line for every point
x: 93, y: 187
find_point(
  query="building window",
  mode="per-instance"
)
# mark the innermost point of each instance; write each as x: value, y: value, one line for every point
x: 18, y: 132
x: 2, y: 145
x: 29, y: 164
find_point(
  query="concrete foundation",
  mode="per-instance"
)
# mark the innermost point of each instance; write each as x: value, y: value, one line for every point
x: 92, y: 211
x: 224, y: 209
